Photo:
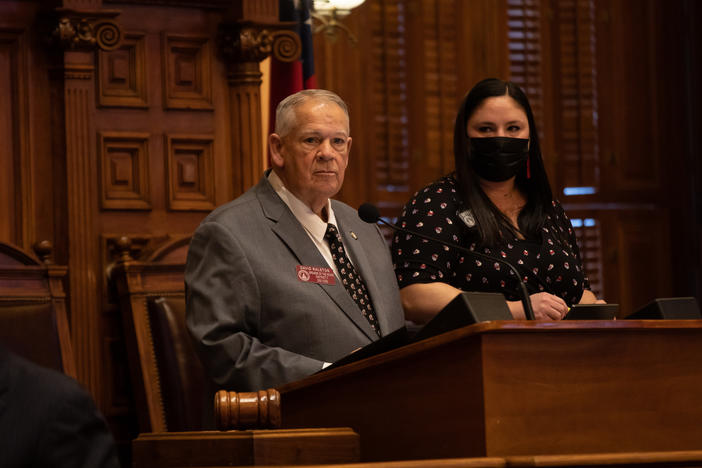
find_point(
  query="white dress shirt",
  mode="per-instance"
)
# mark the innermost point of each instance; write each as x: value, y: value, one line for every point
x: 313, y: 224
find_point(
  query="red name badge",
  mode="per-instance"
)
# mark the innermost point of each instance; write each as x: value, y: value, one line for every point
x: 312, y: 274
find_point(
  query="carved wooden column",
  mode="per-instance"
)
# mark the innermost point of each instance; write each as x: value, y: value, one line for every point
x: 80, y: 33
x: 244, y: 45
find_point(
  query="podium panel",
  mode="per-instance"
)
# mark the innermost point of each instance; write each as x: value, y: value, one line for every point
x: 517, y: 388
x: 245, y: 448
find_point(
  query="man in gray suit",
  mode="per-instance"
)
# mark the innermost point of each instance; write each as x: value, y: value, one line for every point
x: 268, y: 301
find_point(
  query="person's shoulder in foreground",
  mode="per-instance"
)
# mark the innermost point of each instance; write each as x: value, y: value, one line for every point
x: 48, y: 419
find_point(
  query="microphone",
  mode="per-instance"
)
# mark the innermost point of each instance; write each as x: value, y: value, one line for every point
x: 370, y: 214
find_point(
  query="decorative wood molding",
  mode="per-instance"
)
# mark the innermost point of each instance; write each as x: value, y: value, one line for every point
x: 123, y: 160
x: 122, y: 74
x: 244, y: 45
x: 245, y: 107
x: 247, y: 42
x: 190, y: 172
x: 76, y: 71
x: 127, y: 247
x: 187, y: 72
x: 78, y: 95
x: 240, y: 43
x: 86, y: 29
x: 123, y: 248
x: 287, y: 46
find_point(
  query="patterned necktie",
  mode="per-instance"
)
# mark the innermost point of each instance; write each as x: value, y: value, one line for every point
x: 352, y: 281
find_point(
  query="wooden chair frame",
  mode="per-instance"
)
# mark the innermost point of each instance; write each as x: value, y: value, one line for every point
x: 159, y: 274
x: 26, y: 279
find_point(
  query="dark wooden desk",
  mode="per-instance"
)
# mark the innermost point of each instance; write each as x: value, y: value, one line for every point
x: 517, y: 388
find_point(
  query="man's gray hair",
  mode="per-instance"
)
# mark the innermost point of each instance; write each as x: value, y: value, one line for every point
x: 285, y: 117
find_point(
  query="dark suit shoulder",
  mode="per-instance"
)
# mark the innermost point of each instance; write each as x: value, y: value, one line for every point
x: 49, y: 419
x: 34, y: 379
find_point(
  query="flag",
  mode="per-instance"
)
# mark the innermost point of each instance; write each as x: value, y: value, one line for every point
x: 289, y: 78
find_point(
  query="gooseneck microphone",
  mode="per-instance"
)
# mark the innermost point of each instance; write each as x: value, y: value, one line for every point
x: 370, y: 214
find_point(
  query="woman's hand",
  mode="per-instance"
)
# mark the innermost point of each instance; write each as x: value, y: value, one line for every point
x: 545, y: 306
x: 548, y: 307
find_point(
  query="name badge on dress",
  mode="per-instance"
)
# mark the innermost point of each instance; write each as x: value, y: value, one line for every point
x: 313, y: 274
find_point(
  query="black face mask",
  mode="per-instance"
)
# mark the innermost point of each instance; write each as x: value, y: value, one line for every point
x: 498, y: 158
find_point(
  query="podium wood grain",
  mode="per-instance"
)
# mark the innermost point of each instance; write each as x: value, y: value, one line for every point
x: 517, y: 388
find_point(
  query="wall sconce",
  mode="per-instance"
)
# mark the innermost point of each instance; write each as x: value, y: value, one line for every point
x: 329, y: 13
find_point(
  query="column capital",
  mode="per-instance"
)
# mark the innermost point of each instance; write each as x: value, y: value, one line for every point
x: 85, y: 29
x: 250, y: 42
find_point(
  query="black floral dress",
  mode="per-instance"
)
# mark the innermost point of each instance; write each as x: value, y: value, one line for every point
x: 550, y: 265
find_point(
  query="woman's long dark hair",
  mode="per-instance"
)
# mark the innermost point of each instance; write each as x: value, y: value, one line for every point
x: 491, y: 223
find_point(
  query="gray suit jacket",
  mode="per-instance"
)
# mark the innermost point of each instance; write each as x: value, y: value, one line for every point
x: 255, y: 324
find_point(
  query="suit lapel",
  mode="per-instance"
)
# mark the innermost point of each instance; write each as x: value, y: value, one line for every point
x: 292, y: 234
x: 355, y: 249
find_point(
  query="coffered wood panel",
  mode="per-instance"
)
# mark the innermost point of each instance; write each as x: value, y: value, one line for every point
x: 122, y: 74
x: 190, y: 172
x: 124, y: 171
x: 187, y: 77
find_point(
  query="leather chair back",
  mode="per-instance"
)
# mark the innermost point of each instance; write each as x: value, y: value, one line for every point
x: 170, y: 387
x: 184, y: 384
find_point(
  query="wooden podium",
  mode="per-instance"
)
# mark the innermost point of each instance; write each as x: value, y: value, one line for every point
x: 501, y: 389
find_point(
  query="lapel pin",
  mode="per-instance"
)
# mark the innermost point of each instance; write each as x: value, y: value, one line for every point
x: 353, y: 234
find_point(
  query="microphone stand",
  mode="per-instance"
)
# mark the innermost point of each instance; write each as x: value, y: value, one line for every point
x: 526, y: 301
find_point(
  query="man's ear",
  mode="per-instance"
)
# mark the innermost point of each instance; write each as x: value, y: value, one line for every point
x: 275, y: 145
